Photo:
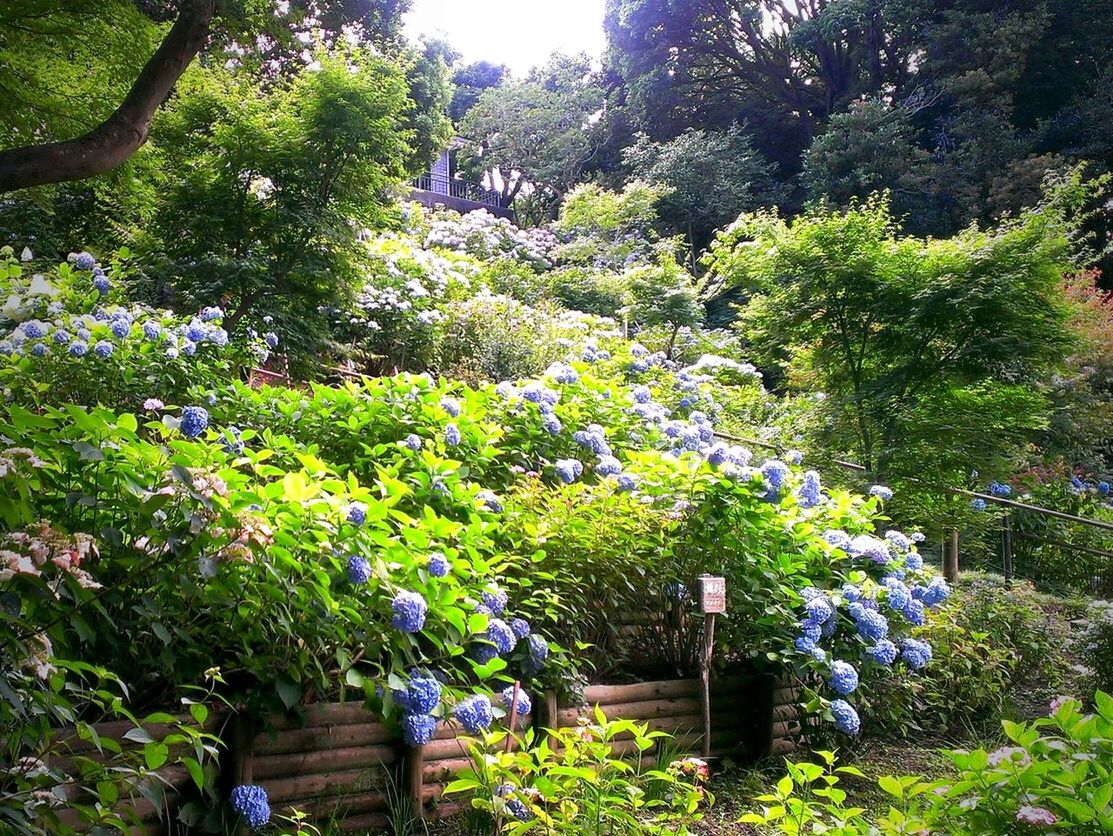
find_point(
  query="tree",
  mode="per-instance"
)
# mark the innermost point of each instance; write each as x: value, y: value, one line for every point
x: 197, y: 25
x: 264, y: 191
x: 535, y: 135
x: 470, y: 81
x: 711, y: 178
x: 663, y: 295
x: 925, y: 348
x: 431, y: 91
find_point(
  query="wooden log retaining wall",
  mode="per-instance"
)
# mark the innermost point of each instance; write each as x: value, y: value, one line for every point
x: 338, y: 762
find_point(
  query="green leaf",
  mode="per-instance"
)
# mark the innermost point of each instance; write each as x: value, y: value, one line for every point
x: 289, y: 692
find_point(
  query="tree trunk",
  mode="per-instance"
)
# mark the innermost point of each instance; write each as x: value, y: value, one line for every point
x: 121, y: 134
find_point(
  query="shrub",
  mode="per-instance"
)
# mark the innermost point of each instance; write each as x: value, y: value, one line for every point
x: 989, y: 637
x: 594, y: 291
x: 1057, y: 775
x: 574, y: 781
x: 1096, y: 643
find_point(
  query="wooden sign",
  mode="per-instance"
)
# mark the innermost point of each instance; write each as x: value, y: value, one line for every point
x: 712, y: 594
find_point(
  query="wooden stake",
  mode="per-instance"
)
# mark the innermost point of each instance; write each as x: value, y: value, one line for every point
x: 950, y: 558
x: 413, y: 779
x: 1007, y: 547
x: 705, y: 679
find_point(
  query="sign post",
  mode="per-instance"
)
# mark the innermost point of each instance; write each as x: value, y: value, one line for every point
x: 712, y: 601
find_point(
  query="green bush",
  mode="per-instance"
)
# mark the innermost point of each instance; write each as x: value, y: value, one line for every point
x: 1055, y: 775
x: 594, y: 291
x: 1096, y: 643
x: 992, y: 635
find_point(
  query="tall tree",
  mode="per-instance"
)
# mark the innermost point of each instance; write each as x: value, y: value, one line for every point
x: 273, y: 31
x: 470, y: 81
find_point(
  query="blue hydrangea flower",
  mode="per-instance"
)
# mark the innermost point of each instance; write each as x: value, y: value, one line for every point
x: 39, y: 350
x: 641, y: 394
x: 851, y: 593
x: 271, y: 339
x: 357, y: 513
x: 451, y: 406
x: 999, y: 489
x: 538, y: 648
x: 977, y: 504
x: 491, y: 501
x: 217, y: 336
x: 208, y: 314
x: 359, y: 570
x: 898, y: 594
x: 525, y: 705
x: 195, y: 331
x: 899, y: 540
x: 794, y: 457
x: 418, y: 729
x: 884, y: 652
x: 562, y: 373
x: 422, y: 695
x: 520, y: 627
x: 844, y: 678
x: 79, y: 349
x: 451, y: 435
x: 808, y: 493
x: 484, y: 653
x: 936, y: 593
x: 194, y: 421
x: 437, y: 565
x: 252, y: 804
x: 189, y: 348
x: 500, y: 635
x: 62, y: 337
x: 35, y: 329
x: 872, y: 626
x: 608, y: 466
x: 774, y: 473
x: 915, y: 652
x: 551, y: 424
x: 513, y: 805
x: 567, y: 470
x: 1103, y: 488
x: 84, y: 261
x: 846, y: 718
x: 626, y: 482
x: 914, y: 561
x: 474, y: 713
x: 867, y: 546
x: 881, y: 492
x: 495, y: 599
x: 913, y: 613
x: 819, y: 609
x: 121, y: 327
x: 412, y: 441
x: 409, y: 612
x: 837, y: 539
x: 811, y: 630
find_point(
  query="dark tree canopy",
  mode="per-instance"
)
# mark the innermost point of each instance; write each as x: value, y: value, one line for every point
x: 470, y: 81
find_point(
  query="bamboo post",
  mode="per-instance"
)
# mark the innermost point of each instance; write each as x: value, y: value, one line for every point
x: 950, y: 558
x: 1007, y: 547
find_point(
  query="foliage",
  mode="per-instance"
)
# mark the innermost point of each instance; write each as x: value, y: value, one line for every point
x: 712, y: 177
x: 531, y: 133
x: 1096, y: 643
x: 264, y: 190
x: 663, y: 295
x: 574, y: 781
x: 899, y: 332
x: 469, y: 82
x: 606, y: 229
x: 1057, y: 773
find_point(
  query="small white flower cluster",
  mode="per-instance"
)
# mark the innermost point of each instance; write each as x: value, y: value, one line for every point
x: 484, y: 236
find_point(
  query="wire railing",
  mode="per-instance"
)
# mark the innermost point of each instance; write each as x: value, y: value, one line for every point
x: 1041, y: 555
x: 460, y: 189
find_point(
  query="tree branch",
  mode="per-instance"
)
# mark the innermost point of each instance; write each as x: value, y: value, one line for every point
x: 121, y: 134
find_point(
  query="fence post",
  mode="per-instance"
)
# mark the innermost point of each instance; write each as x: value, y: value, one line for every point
x: 950, y: 558
x: 413, y: 779
x: 1007, y: 547
x: 237, y: 766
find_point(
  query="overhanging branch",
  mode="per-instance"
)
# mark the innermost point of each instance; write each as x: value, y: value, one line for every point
x: 121, y: 134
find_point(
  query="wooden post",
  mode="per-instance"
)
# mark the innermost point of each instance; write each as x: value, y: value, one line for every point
x: 705, y: 679
x: 237, y: 766
x: 950, y: 558
x: 413, y: 779
x: 1007, y: 547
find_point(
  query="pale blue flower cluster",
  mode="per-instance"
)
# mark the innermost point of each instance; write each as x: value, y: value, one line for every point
x: 474, y: 713
x: 568, y: 470
x: 252, y: 804
x: 409, y: 610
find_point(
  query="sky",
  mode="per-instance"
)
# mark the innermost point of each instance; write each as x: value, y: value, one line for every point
x: 518, y: 33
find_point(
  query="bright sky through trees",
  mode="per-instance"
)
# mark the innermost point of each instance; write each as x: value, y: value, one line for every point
x: 518, y: 33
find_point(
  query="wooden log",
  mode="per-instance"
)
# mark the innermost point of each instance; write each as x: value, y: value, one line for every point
x: 323, y: 737
x: 641, y: 691
x: 786, y: 696
x: 325, y: 714
x: 446, y: 731
x: 782, y: 746
x: 786, y: 729
x: 786, y: 712
x: 442, y: 771
x: 447, y: 810
x: 642, y: 710
x: 366, y: 823
x: 413, y: 777
x: 323, y: 760
x: 116, y: 729
x: 326, y: 783
x: 325, y: 807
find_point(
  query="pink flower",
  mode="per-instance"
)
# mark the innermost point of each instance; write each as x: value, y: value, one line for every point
x: 1036, y: 816
x: 1010, y: 754
x: 1059, y: 702
x: 153, y: 404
